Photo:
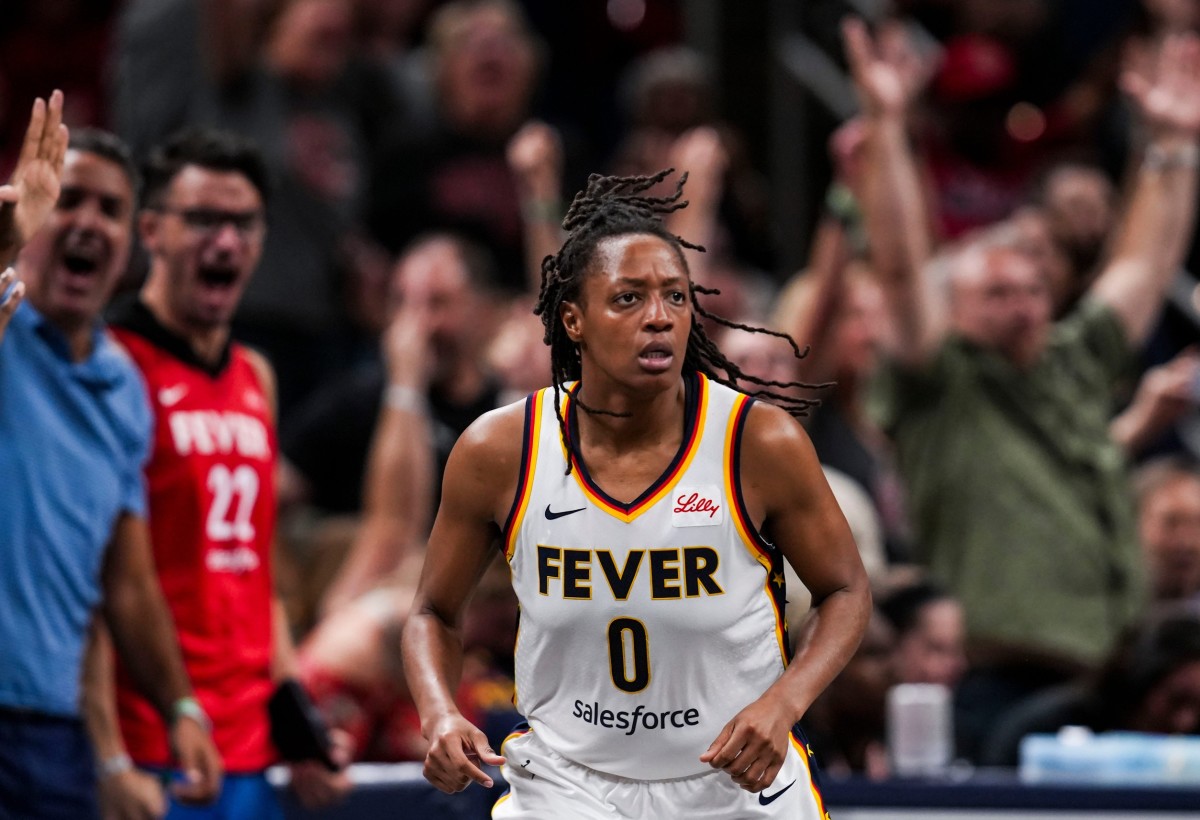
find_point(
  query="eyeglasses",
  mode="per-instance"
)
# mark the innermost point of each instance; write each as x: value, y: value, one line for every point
x: 209, y: 221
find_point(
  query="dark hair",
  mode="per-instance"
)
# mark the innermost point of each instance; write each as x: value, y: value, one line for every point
x: 615, y: 206
x: 1145, y: 655
x: 108, y: 146
x: 477, y: 260
x: 207, y: 148
x: 903, y: 606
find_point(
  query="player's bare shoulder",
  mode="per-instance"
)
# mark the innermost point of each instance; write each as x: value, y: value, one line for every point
x: 486, y: 460
x: 777, y: 457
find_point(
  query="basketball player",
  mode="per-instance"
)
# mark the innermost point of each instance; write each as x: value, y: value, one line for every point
x: 211, y: 476
x: 645, y: 509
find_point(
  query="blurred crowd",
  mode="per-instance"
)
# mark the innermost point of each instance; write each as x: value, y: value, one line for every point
x: 1000, y: 324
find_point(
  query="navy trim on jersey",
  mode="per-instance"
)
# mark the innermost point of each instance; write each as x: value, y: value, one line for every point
x: 522, y: 477
x: 691, y: 417
x: 133, y: 315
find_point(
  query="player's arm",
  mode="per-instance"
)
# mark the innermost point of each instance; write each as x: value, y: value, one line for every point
x: 479, y: 485
x: 30, y: 194
x: 124, y: 791
x: 143, y: 633
x: 783, y: 485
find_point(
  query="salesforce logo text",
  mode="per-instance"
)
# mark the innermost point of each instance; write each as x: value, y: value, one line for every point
x: 610, y: 719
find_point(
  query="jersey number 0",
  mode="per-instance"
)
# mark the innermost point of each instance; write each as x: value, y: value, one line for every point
x: 629, y: 663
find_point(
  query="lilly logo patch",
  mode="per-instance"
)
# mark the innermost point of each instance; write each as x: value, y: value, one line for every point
x: 698, y: 507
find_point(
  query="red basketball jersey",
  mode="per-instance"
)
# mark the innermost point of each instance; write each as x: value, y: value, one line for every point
x: 211, y: 483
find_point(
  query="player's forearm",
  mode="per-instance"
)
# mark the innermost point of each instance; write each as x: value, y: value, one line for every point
x: 99, y: 694
x: 144, y: 635
x: 827, y: 640
x: 432, y: 665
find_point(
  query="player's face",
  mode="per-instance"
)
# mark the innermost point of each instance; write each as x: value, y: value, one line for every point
x: 72, y: 264
x: 634, y: 312
x: 205, y: 239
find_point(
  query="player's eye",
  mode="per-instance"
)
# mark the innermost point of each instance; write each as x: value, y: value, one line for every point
x: 678, y: 297
x: 626, y: 298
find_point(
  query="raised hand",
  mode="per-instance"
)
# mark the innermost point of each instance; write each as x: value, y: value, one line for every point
x: 535, y: 157
x: 884, y: 71
x: 1166, y: 88
x: 27, y: 199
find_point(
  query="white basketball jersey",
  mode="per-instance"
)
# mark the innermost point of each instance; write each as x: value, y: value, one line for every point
x: 646, y: 626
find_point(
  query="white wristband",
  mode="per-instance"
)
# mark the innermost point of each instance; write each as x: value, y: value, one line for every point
x: 404, y: 398
x: 113, y: 766
x: 1161, y: 159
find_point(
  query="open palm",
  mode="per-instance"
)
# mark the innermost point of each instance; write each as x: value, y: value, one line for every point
x: 26, y: 200
x: 880, y: 81
x: 1168, y: 94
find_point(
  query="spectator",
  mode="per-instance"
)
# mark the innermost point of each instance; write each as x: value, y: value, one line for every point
x: 352, y: 664
x: 485, y: 66
x: 1168, y: 503
x: 1019, y: 495
x: 211, y: 482
x: 1149, y: 683
x: 290, y: 81
x: 442, y: 293
x: 928, y: 623
x: 848, y: 722
x: 74, y: 432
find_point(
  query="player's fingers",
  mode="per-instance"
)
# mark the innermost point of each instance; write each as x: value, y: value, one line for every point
x: 47, y: 144
x: 714, y: 748
x: 485, y: 752
x: 33, y: 133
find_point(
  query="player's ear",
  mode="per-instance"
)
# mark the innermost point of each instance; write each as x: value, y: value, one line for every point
x: 572, y: 319
x: 147, y: 225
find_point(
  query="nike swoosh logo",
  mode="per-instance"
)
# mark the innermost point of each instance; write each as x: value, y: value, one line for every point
x: 550, y: 515
x: 170, y: 396
x: 763, y: 800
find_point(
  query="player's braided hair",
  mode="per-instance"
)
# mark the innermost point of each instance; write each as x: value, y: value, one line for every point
x: 615, y: 206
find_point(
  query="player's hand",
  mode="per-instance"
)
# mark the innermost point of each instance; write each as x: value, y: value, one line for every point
x: 407, y: 344
x: 314, y: 785
x: 131, y: 795
x: 27, y: 199
x: 752, y: 746
x: 199, y: 762
x: 10, y: 297
x: 457, y: 748
x: 1166, y: 89
x: 535, y: 157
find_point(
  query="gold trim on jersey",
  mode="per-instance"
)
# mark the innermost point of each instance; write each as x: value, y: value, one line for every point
x: 533, y: 434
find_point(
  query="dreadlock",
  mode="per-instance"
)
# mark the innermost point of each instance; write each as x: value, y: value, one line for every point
x: 616, y: 206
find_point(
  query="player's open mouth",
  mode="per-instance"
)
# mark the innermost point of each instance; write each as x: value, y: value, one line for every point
x: 83, y: 259
x: 656, y: 358
x: 218, y: 276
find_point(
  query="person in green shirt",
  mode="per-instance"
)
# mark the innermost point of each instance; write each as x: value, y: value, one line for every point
x: 1001, y: 416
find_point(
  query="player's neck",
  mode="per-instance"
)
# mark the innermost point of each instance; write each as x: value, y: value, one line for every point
x: 206, y: 342
x: 628, y: 418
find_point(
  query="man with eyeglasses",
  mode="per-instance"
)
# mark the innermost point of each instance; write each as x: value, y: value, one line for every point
x: 74, y: 434
x: 211, y: 479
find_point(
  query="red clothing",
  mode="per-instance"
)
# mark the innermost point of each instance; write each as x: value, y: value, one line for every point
x: 211, y: 483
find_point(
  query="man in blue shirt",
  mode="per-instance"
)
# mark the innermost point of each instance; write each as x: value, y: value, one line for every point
x: 74, y: 432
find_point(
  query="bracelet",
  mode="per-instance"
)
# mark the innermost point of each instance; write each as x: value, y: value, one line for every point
x: 189, y: 707
x: 406, y: 399
x: 1161, y: 159
x: 113, y: 766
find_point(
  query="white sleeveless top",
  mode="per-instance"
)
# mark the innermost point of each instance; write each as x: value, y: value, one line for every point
x: 646, y: 626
